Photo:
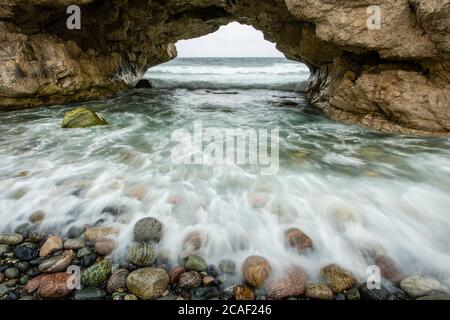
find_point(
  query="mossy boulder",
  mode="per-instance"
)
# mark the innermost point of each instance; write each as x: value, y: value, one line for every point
x: 82, y: 118
x: 97, y: 274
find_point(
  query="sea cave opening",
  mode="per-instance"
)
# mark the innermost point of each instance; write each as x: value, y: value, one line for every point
x: 235, y: 57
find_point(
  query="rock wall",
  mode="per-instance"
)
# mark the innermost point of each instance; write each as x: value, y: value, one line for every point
x: 395, y: 78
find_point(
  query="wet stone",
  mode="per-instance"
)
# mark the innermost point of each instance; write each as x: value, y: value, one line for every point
x: 90, y: 294
x: 147, y: 229
x: 88, y: 260
x: 195, y: 263
x: 373, y: 293
x: 22, y: 266
x: 23, y: 229
x: 213, y: 271
x: 204, y: 293
x: 23, y: 280
x: 11, y: 273
x: 227, y: 266
x: 75, y: 232
x: 26, y: 251
x: 37, y: 261
x: 4, y: 248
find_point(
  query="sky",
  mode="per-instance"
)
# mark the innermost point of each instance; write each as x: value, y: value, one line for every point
x: 232, y: 40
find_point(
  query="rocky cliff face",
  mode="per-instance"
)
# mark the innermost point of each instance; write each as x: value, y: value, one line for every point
x: 394, y: 78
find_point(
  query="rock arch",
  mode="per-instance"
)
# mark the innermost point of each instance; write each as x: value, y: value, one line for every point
x: 396, y: 78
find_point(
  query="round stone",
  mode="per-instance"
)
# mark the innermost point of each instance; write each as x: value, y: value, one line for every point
x: 243, y: 292
x: 10, y: 238
x: 291, y: 284
x: 11, y: 273
x: 37, y: 216
x: 75, y: 232
x: 23, y: 280
x: 97, y: 233
x: 318, y: 291
x: 104, y: 247
x: 256, y: 270
x: 57, y: 263
x: 52, y: 244
x: 22, y: 266
x: 337, y: 278
x: 23, y: 229
x: 147, y: 229
x: 148, y: 283
x: 4, y: 248
x: 141, y: 254
x: 189, y: 280
x: 96, y: 274
x: 195, y: 263
x: 175, y: 273
x: 227, y: 266
x: 297, y: 240
x: 419, y: 286
x: 74, y: 244
x: 26, y: 251
x: 117, y: 280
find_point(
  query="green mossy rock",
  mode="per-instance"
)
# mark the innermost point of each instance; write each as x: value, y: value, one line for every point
x: 96, y: 274
x: 82, y: 118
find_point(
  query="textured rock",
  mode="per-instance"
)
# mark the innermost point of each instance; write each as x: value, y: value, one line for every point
x: 418, y: 286
x: 141, y: 254
x: 74, y: 244
x: 97, y: 233
x: 337, y: 278
x: 193, y: 241
x: 395, y: 78
x: 37, y: 216
x: 189, y: 280
x: 10, y: 238
x: 256, y: 270
x: 26, y: 251
x: 54, y: 286
x: 117, y: 280
x: 175, y: 273
x: 243, y: 292
x: 147, y: 229
x: 51, y: 245
x: 96, y: 274
x: 90, y: 294
x: 195, y: 263
x: 292, y: 284
x: 104, y: 247
x: 389, y: 269
x: 148, y: 283
x: 318, y: 291
x: 82, y: 118
x: 58, y: 263
x: 297, y: 240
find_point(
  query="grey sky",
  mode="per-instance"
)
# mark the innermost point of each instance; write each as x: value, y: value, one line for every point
x: 232, y: 40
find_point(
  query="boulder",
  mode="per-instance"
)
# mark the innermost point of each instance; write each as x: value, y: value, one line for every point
x: 82, y: 118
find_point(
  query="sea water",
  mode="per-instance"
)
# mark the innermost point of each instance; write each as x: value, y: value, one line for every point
x: 351, y: 190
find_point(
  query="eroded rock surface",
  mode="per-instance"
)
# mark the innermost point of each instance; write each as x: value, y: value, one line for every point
x: 395, y: 78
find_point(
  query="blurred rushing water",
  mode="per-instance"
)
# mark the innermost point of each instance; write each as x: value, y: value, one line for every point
x: 350, y: 189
